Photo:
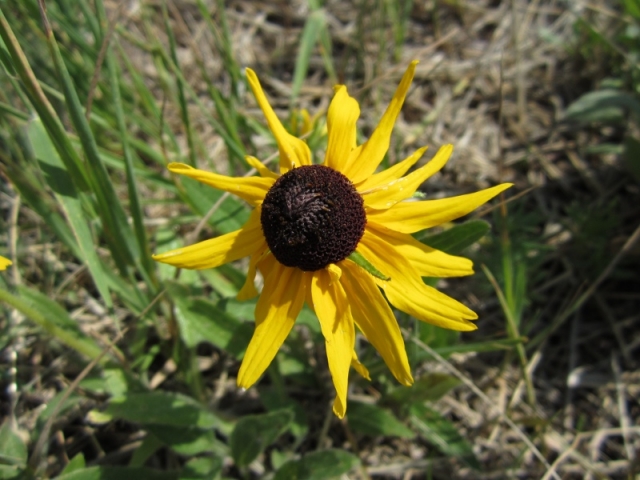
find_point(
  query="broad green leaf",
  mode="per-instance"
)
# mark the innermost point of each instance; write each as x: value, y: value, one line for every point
x: 200, y: 320
x: 11, y: 472
x: 374, y: 420
x: 607, y: 106
x: 65, y: 191
x: 440, y: 432
x: 161, y: 408
x: 224, y: 280
x: 430, y: 387
x: 204, y: 468
x: 320, y: 465
x: 254, y: 433
x: 188, y: 441
x: 12, y: 448
x: 77, y: 463
x: 150, y: 445
x: 119, y: 473
x: 114, y: 382
x: 454, y: 240
x: 274, y: 399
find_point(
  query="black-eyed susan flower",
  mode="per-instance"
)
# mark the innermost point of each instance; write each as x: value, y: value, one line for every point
x: 310, y: 225
x: 4, y: 263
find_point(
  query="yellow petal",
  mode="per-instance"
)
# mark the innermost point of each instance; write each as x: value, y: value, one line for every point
x: 411, y: 217
x: 251, y: 189
x: 335, y: 272
x: 332, y: 308
x: 276, y: 311
x: 219, y: 250
x: 386, y: 196
x: 260, y: 167
x: 428, y: 261
x: 359, y: 367
x: 406, y: 290
x: 4, y: 263
x: 375, y: 319
x: 341, y: 125
x: 293, y: 151
x: 374, y: 150
x: 390, y: 174
x: 248, y: 290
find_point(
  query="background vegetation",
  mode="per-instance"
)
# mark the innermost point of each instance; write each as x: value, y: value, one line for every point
x: 116, y: 367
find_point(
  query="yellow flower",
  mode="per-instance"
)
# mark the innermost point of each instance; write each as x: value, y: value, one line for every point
x: 308, y: 221
x: 4, y: 263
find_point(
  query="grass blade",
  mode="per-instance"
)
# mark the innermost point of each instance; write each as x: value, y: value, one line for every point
x: 134, y: 202
x: 69, y: 199
x: 116, y: 229
x: 312, y: 28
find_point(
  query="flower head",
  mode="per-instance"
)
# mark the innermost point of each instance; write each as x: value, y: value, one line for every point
x: 308, y: 224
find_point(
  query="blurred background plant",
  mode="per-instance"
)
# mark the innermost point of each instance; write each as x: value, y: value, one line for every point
x: 115, y: 367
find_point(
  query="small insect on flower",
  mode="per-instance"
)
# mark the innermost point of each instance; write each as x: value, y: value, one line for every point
x: 335, y: 236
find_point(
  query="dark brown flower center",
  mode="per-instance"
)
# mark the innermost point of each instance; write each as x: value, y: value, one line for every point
x: 312, y: 217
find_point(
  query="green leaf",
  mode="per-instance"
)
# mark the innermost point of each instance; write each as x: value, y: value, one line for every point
x: 132, y: 188
x: 200, y: 320
x: 374, y: 420
x: 150, y: 445
x: 440, y: 432
x: 254, y: 433
x: 632, y: 7
x: 187, y: 441
x: 607, y: 106
x: 431, y: 387
x: 321, y: 465
x: 10, y: 472
x: 435, y: 337
x: 205, y: 468
x: 116, y: 229
x: 30, y: 188
x: 161, y: 408
x: 118, y: 473
x: 77, y: 463
x: 230, y: 215
x: 312, y: 28
x: 71, y: 403
x: 12, y: 448
x: 53, y: 319
x: 63, y: 187
x: 273, y: 399
x: 115, y: 382
x: 454, y: 240
x: 359, y: 260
